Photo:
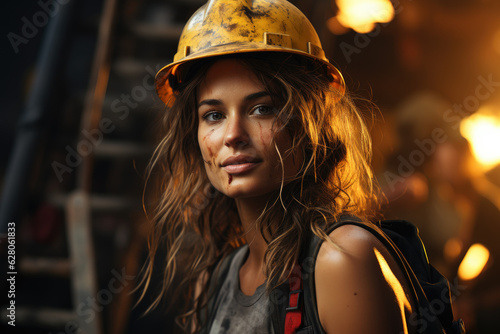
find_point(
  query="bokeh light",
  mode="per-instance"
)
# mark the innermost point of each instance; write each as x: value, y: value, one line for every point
x: 482, y: 130
x: 473, y: 263
x: 362, y: 15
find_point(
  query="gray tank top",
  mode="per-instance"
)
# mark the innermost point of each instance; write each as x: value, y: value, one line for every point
x: 236, y: 312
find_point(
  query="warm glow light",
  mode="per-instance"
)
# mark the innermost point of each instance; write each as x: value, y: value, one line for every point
x: 452, y: 248
x: 396, y: 286
x: 483, y: 132
x: 362, y: 15
x: 496, y: 42
x: 474, y: 261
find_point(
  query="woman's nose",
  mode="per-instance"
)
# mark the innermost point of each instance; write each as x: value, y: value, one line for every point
x: 236, y: 134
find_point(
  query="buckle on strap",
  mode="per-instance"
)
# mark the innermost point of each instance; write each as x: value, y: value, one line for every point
x: 297, y: 304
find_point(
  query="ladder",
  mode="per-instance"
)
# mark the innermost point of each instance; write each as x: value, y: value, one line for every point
x: 94, y: 176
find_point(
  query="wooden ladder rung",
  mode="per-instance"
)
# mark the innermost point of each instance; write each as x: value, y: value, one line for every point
x: 156, y: 31
x: 46, y: 317
x: 45, y: 266
x: 99, y: 203
x: 121, y: 149
x: 131, y: 67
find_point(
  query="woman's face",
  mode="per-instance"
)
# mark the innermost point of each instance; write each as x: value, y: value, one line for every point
x: 238, y: 133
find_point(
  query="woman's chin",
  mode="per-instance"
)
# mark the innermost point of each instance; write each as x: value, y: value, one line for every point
x: 243, y: 190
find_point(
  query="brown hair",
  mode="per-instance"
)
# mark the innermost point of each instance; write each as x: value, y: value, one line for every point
x: 335, y: 178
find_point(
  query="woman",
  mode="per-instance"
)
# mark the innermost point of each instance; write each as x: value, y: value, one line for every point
x: 263, y: 150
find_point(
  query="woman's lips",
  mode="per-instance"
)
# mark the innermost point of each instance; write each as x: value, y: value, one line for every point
x: 240, y: 163
x: 240, y: 168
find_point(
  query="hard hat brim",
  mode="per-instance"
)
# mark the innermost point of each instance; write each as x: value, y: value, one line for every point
x: 166, y: 93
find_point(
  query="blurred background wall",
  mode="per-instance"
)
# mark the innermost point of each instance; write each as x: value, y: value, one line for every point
x: 78, y: 126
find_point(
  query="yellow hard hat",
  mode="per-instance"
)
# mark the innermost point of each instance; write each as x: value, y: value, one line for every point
x: 223, y: 27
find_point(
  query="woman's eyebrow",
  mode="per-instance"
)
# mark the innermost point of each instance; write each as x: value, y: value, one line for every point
x: 257, y: 95
x: 216, y: 102
x: 210, y: 102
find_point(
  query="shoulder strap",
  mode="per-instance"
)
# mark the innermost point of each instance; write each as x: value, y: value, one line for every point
x: 293, y: 318
x: 308, y: 265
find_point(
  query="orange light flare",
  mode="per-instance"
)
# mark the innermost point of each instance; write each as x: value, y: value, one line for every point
x: 482, y: 130
x: 397, y: 288
x: 362, y: 15
x: 473, y: 262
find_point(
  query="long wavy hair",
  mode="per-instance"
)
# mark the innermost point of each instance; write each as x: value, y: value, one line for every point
x: 196, y: 226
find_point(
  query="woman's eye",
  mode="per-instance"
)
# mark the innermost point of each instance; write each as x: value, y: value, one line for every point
x: 264, y: 110
x: 212, y: 116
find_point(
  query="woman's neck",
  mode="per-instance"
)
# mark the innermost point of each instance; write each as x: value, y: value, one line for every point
x: 249, y: 211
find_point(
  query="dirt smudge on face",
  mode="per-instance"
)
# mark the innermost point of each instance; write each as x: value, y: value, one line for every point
x: 261, y: 135
x: 210, y: 152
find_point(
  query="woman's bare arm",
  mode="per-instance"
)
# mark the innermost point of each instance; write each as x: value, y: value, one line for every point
x: 359, y: 287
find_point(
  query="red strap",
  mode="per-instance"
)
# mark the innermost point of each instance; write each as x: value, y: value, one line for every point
x: 293, y: 317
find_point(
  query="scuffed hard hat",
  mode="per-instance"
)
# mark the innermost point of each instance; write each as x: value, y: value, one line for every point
x: 224, y: 27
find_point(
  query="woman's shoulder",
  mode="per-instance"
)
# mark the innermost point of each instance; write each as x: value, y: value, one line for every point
x: 349, y: 240
x: 350, y: 247
x: 359, y: 286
